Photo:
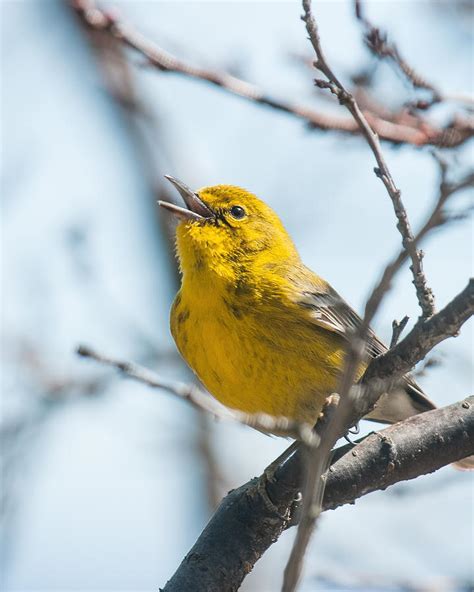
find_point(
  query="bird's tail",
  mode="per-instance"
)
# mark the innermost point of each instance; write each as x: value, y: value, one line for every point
x: 407, y: 400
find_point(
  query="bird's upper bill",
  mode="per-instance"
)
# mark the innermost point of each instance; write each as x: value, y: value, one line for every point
x: 196, y: 209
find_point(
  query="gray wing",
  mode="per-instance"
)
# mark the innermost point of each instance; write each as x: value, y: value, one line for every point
x: 331, y: 312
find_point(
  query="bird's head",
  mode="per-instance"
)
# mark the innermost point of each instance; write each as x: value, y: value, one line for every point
x: 228, y: 230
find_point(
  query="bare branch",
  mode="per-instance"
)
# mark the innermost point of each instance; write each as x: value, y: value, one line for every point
x: 423, y: 133
x: 142, y: 130
x: 204, y: 402
x: 259, y: 511
x: 424, y: 293
x: 354, y: 399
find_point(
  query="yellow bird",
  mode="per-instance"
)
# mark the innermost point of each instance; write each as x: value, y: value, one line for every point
x: 262, y: 332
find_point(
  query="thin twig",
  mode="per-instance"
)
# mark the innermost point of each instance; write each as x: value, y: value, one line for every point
x: 397, y: 330
x: 356, y: 349
x: 424, y: 293
x: 423, y: 133
x: 204, y: 402
x: 316, y: 463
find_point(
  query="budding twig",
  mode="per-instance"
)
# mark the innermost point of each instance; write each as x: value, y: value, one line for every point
x: 397, y: 330
x: 424, y: 293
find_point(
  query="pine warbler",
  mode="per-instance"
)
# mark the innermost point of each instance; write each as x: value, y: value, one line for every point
x: 262, y: 332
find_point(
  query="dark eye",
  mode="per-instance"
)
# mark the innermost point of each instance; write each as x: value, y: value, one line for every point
x: 237, y: 212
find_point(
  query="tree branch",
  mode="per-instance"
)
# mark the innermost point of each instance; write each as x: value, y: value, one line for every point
x: 423, y: 133
x: 377, y: 41
x: 251, y: 518
x: 424, y: 293
x: 356, y: 401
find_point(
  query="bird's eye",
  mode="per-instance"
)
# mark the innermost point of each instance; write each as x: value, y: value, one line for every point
x: 237, y: 212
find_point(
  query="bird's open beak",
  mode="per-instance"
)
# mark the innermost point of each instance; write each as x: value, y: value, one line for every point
x: 196, y: 208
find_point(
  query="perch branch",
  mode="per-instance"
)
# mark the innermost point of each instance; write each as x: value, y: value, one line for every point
x: 259, y: 511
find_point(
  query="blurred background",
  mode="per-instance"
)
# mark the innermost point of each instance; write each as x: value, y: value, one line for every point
x: 106, y: 484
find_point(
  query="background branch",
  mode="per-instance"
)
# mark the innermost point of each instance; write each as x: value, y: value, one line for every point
x: 377, y: 42
x: 90, y: 255
x: 423, y: 133
x: 202, y: 401
x: 349, y: 412
x: 142, y: 129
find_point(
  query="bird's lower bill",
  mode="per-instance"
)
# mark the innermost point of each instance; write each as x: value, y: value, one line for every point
x: 196, y: 209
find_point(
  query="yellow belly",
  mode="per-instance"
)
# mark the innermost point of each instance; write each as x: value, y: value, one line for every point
x: 257, y: 360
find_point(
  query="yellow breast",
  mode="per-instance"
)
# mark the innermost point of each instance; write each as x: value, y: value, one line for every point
x: 255, y: 356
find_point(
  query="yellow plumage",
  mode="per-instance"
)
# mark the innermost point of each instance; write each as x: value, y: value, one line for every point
x: 240, y: 319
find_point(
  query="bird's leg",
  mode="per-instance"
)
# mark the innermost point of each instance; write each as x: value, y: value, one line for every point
x: 269, y: 471
x: 354, y: 430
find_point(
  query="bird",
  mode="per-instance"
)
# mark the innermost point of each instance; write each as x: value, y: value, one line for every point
x: 262, y: 332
